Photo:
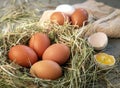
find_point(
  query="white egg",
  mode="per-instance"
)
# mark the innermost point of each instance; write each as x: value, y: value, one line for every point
x: 65, y: 8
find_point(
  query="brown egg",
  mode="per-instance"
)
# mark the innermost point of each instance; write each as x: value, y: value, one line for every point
x: 57, y: 52
x: 39, y: 42
x: 59, y: 17
x: 79, y: 17
x: 46, y: 69
x: 22, y: 55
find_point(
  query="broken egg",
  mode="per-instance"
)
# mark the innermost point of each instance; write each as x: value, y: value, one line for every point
x: 104, y: 60
x: 98, y: 40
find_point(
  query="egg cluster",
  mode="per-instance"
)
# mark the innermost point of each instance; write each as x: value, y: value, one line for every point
x: 79, y: 17
x: 45, y: 59
x: 40, y: 47
x: 67, y: 13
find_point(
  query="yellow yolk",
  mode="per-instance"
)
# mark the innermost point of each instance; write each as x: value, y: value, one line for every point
x: 105, y: 59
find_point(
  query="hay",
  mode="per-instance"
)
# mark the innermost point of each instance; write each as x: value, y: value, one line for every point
x: 79, y: 72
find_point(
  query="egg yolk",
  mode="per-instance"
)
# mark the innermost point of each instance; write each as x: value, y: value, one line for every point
x: 105, y: 59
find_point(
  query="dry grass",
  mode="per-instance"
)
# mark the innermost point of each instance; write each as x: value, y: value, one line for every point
x: 19, y: 24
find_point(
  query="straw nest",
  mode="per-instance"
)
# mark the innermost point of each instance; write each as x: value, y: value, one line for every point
x: 18, y: 24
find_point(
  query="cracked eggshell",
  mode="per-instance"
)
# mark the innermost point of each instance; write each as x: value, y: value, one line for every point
x: 98, y: 40
x: 104, y: 60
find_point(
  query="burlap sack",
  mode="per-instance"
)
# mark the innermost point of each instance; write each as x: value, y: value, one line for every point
x: 109, y: 25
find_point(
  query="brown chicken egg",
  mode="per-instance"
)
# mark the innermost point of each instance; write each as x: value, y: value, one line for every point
x: 57, y: 52
x: 46, y: 69
x: 59, y: 17
x: 39, y: 43
x: 22, y: 55
x: 79, y: 17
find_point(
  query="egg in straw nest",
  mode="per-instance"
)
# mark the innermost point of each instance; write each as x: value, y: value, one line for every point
x: 79, y: 71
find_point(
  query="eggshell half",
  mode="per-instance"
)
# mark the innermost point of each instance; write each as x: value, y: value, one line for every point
x: 104, y: 60
x: 98, y: 40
